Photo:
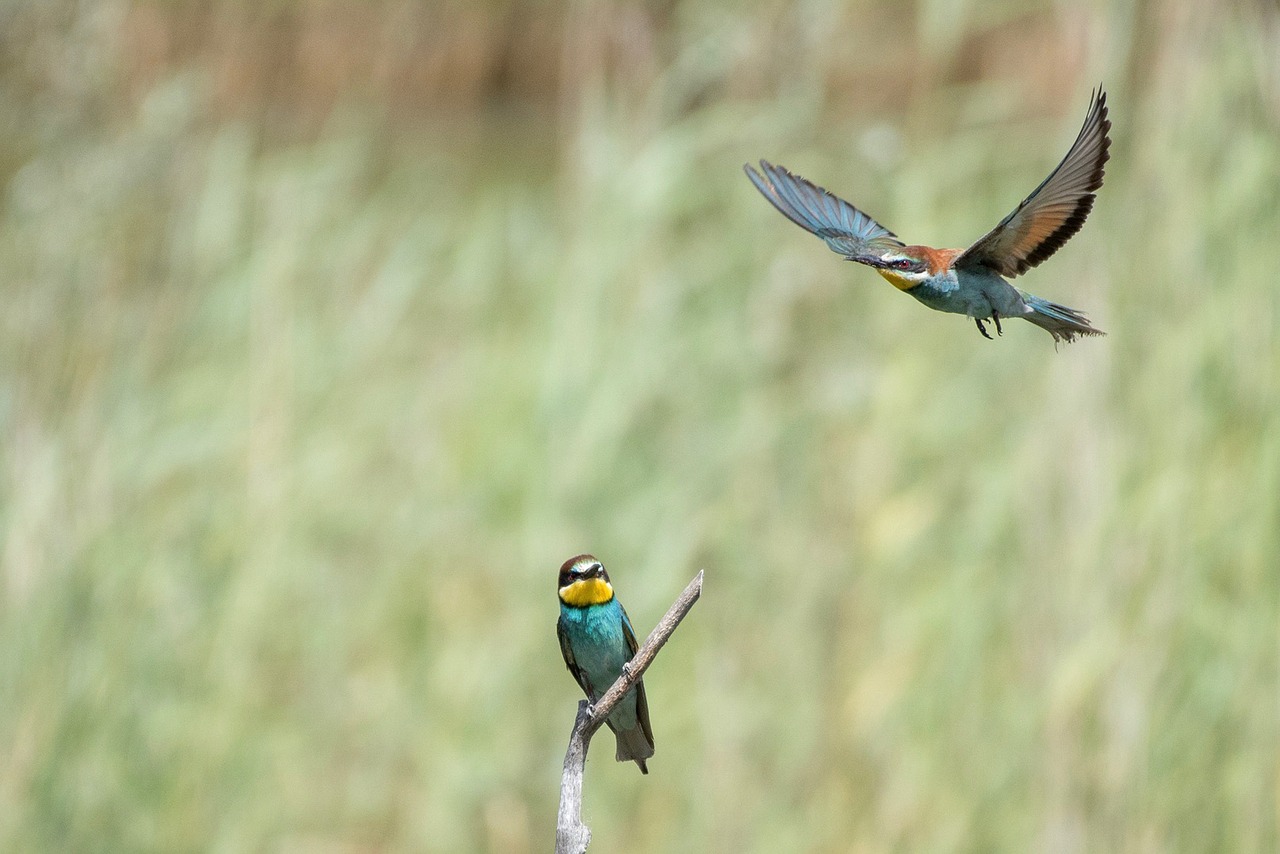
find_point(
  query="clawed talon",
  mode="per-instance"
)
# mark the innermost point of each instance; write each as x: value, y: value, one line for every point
x: 983, y: 329
x: 591, y: 710
x: 995, y: 315
x: 626, y: 669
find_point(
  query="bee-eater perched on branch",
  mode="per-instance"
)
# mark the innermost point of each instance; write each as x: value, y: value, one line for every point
x: 966, y: 281
x: 597, y: 641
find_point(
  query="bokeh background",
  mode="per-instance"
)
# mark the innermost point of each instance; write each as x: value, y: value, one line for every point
x: 328, y: 330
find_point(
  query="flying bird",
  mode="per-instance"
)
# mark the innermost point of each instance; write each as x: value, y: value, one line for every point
x: 966, y: 281
x: 596, y: 640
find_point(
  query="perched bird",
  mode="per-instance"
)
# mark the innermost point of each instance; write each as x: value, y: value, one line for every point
x: 596, y: 640
x: 966, y: 281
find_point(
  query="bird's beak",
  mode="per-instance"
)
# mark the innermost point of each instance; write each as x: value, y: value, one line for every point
x: 869, y: 260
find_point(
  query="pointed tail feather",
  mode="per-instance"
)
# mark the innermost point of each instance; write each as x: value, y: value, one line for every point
x: 633, y: 744
x: 1063, y: 323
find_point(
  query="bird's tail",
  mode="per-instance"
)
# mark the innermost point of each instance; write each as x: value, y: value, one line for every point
x: 633, y: 745
x: 1063, y: 323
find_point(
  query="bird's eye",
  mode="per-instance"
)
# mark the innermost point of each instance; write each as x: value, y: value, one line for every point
x: 902, y: 264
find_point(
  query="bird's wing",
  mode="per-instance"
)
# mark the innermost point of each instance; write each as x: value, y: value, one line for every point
x: 846, y: 229
x: 570, y: 662
x: 1057, y: 209
x: 642, y: 703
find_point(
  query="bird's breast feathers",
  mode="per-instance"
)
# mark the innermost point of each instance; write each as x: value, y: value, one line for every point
x: 587, y: 592
x: 598, y: 639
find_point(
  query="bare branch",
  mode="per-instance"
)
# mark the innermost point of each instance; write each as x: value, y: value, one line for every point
x: 572, y: 836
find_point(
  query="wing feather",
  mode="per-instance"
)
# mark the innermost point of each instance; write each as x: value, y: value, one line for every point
x: 566, y: 650
x: 1055, y: 210
x: 846, y: 229
x: 642, y: 702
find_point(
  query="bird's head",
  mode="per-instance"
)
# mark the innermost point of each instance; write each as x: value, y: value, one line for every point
x: 904, y: 267
x: 583, y: 582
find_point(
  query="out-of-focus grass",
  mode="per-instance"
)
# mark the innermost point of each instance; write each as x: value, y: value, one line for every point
x: 298, y: 425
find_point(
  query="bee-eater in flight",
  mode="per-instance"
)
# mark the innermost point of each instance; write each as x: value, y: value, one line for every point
x: 596, y: 640
x: 966, y: 281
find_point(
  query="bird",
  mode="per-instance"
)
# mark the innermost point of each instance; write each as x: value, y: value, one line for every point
x: 971, y: 281
x: 597, y: 641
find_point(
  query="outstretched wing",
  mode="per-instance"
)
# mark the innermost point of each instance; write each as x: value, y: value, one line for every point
x: 570, y: 662
x: 642, y: 702
x: 846, y: 229
x: 1057, y: 209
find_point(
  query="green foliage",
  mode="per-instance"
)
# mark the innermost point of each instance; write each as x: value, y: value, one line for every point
x: 301, y: 416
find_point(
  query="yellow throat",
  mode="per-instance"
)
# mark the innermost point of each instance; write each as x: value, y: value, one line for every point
x: 897, y: 281
x: 588, y: 591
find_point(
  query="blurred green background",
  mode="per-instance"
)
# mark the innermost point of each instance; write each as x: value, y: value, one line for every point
x: 330, y: 329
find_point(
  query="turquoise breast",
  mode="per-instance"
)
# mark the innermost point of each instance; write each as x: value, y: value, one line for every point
x: 600, y: 649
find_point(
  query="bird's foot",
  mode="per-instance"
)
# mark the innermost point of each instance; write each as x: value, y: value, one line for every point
x: 995, y: 315
x: 982, y: 329
x: 626, y: 669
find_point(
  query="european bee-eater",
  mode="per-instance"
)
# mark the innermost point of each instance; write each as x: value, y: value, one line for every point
x: 966, y: 281
x: 596, y: 640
